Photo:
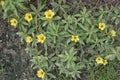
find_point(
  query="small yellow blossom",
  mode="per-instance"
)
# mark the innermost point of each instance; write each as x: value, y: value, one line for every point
x: 104, y: 62
x: 75, y: 38
x: 113, y: 33
x: 40, y: 73
x: 41, y: 38
x: 29, y: 39
x: 28, y: 17
x: 13, y: 22
x: 49, y: 14
x: 101, y: 26
x: 2, y: 3
x: 99, y: 60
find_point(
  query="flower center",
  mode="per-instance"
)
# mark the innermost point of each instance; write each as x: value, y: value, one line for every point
x: 42, y: 38
x: 30, y: 39
x: 75, y: 37
x: 42, y: 73
x: 29, y: 17
x: 98, y: 59
x: 102, y: 26
x: 15, y: 22
x: 49, y: 15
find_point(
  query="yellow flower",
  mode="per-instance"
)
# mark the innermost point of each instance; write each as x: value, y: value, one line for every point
x: 40, y: 73
x: 75, y: 38
x: 99, y: 60
x: 113, y: 33
x: 41, y: 38
x: 2, y: 3
x: 49, y: 14
x: 101, y: 26
x: 13, y: 22
x: 28, y: 17
x: 104, y: 62
x: 29, y: 39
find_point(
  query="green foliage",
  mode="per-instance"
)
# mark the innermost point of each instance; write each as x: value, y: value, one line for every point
x: 2, y: 71
x: 105, y: 72
x: 60, y: 55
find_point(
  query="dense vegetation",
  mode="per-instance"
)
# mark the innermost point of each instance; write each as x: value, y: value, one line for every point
x: 59, y: 39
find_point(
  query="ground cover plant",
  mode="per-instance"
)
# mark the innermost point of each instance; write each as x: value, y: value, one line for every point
x: 65, y: 40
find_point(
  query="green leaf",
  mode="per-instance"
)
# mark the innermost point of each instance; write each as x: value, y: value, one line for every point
x: 51, y: 75
x: 113, y: 57
x: 118, y: 53
x: 65, y: 6
x: 116, y: 10
x: 31, y: 31
x: 88, y: 20
x: 33, y: 7
x: 21, y: 6
x: 40, y: 7
x: 59, y: 1
x: 77, y: 15
x: 84, y: 10
x: 64, y: 34
x: 117, y: 21
x: 57, y: 18
x: 83, y: 27
x: 45, y: 23
x: 83, y: 20
x: 20, y: 34
x: 100, y: 18
x: 81, y: 42
x: 42, y: 18
x: 21, y: 1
